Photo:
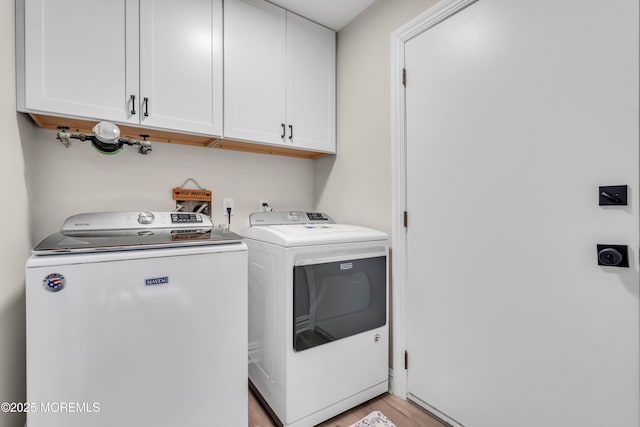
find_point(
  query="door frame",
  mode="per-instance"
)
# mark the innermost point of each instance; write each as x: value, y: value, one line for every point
x: 428, y: 19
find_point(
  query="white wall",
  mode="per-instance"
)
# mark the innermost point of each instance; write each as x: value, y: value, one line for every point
x: 65, y: 181
x: 355, y: 186
x: 14, y: 217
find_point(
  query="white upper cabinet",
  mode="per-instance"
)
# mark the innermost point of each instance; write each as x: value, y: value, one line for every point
x: 311, y: 85
x: 254, y: 71
x: 158, y: 64
x: 80, y: 57
x: 152, y: 62
x: 279, y: 77
x: 181, y: 65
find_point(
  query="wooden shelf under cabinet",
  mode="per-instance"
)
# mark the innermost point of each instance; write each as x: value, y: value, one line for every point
x: 86, y: 126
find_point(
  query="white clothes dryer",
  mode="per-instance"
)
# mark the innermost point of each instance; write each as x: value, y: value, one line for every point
x: 137, y: 319
x: 318, y: 315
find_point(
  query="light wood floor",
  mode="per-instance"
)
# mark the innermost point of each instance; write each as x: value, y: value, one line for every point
x: 401, y: 412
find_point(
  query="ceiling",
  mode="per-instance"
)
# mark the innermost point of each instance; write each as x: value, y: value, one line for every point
x: 334, y: 14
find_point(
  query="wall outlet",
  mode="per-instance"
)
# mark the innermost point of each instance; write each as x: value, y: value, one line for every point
x: 227, y: 203
x: 263, y: 206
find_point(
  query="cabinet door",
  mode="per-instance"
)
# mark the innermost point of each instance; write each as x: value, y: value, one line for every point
x: 255, y: 43
x: 311, y: 85
x: 81, y: 58
x: 181, y: 65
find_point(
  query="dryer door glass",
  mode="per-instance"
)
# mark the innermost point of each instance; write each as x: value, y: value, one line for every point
x: 335, y: 300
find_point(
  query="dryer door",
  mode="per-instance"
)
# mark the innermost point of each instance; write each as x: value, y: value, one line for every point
x: 338, y: 298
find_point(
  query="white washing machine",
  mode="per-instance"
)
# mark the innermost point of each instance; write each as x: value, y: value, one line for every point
x: 137, y: 319
x: 318, y: 315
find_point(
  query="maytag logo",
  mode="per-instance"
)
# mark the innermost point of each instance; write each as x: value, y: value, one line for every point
x: 346, y: 266
x: 156, y: 281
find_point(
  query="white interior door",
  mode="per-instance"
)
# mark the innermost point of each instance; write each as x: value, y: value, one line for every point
x: 516, y: 111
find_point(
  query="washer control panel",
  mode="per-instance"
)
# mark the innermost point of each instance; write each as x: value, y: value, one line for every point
x: 105, y: 221
x: 186, y: 218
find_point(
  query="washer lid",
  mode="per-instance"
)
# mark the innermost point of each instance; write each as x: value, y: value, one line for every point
x: 61, y: 243
x: 291, y: 235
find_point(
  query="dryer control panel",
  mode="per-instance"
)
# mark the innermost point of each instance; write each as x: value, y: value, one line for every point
x: 289, y: 217
x: 317, y: 216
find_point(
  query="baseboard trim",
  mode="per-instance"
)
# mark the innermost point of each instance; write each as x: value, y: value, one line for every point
x: 265, y: 405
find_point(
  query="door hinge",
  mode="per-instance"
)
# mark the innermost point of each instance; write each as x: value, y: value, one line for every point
x: 405, y: 219
x: 404, y: 77
x: 406, y: 359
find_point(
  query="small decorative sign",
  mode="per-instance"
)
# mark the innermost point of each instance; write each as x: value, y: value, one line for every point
x: 187, y: 194
x: 192, y: 200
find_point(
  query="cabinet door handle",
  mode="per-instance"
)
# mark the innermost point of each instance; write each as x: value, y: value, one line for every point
x: 283, y: 130
x: 133, y: 105
x: 290, y: 132
x: 146, y: 106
